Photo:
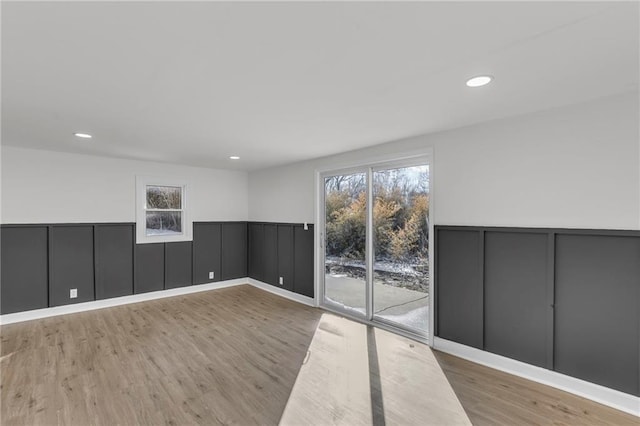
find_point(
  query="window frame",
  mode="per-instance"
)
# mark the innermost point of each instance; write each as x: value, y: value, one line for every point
x: 142, y: 182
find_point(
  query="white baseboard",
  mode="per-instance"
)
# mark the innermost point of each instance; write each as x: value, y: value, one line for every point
x: 610, y: 397
x: 282, y: 292
x: 116, y: 301
x: 135, y: 298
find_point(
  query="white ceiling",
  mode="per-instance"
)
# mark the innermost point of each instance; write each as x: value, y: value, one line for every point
x: 274, y: 83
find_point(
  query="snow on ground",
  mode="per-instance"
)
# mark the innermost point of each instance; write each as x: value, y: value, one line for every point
x: 383, y: 266
x: 416, y: 318
x: 162, y: 232
x: 343, y: 307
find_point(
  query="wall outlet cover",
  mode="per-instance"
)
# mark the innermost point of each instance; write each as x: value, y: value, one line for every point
x: 73, y: 293
x: 211, y: 275
x: 281, y: 281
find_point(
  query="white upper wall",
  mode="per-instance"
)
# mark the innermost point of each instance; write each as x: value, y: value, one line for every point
x: 53, y: 187
x: 573, y: 167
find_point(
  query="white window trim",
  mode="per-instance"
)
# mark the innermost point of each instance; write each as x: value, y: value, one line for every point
x: 141, y: 198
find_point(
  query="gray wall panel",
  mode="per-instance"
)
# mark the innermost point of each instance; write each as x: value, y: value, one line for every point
x: 114, y: 260
x: 285, y: 255
x: 207, y: 252
x: 515, y: 295
x: 597, y: 309
x: 178, y: 264
x: 149, y: 261
x: 270, y: 254
x: 71, y: 264
x: 459, y: 291
x: 24, y: 269
x: 255, y: 251
x: 234, y: 250
x: 303, y: 260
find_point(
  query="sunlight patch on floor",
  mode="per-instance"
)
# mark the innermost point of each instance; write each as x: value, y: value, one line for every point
x: 360, y: 375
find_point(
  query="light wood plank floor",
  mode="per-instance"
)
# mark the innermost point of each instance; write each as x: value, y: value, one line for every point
x: 228, y: 356
x: 492, y: 397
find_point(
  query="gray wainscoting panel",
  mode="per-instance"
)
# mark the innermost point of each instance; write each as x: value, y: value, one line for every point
x: 270, y: 254
x: 178, y: 264
x: 515, y: 296
x: 597, y: 309
x: 234, y: 253
x: 285, y: 255
x: 207, y: 252
x: 303, y: 260
x: 114, y: 260
x: 149, y: 267
x: 24, y: 269
x: 459, y: 286
x: 71, y: 264
x: 255, y: 251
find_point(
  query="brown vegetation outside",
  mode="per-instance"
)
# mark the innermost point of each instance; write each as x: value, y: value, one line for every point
x: 400, y: 223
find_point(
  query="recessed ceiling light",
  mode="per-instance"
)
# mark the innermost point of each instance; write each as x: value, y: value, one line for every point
x: 83, y: 135
x: 480, y: 80
x: 234, y: 157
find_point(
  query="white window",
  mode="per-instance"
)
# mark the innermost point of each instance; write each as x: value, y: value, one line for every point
x: 162, y: 214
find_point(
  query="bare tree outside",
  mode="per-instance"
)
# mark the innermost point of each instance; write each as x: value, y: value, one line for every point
x: 164, y: 205
x: 401, y: 231
x: 400, y: 242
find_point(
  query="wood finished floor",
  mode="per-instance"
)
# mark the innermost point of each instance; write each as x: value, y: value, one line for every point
x: 228, y: 356
x: 492, y: 397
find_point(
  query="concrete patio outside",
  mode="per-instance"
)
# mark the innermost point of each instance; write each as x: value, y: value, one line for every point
x: 406, y: 307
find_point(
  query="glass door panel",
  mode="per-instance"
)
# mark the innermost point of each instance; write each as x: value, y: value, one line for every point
x: 345, y: 278
x: 400, y: 245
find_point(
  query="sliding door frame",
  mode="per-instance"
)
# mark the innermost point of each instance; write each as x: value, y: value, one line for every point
x: 369, y: 166
x: 321, y: 238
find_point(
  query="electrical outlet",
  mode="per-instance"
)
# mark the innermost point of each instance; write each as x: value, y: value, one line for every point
x: 212, y: 275
x: 73, y: 293
x: 281, y: 281
x: 306, y: 226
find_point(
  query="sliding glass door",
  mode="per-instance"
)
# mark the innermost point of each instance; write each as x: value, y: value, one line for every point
x: 375, y: 236
x: 345, y: 207
x: 401, y: 246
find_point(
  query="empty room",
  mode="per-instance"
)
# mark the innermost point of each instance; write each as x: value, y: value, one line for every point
x: 320, y: 213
